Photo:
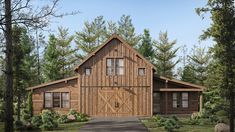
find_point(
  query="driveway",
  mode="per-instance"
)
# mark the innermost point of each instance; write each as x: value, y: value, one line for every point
x: 115, y: 124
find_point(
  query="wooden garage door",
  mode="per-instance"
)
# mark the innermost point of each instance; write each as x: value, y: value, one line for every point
x: 115, y: 102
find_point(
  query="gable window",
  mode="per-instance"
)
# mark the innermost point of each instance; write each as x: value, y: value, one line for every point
x: 185, y: 99
x: 119, y: 67
x: 87, y: 71
x: 56, y: 100
x: 114, y: 66
x: 65, y: 100
x: 48, y: 100
x: 176, y: 100
x: 141, y: 71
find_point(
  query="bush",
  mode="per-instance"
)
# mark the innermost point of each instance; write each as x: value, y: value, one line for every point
x: 63, y: 119
x: 36, y: 121
x: 2, y: 112
x: 171, y: 124
x: 222, y: 113
x: 19, y: 125
x: 79, y: 116
x: 49, y: 122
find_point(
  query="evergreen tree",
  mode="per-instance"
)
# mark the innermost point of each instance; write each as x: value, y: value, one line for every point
x: 146, y: 46
x: 30, y: 104
x: 188, y: 74
x: 23, y: 60
x: 91, y: 37
x: 67, y: 54
x: 222, y: 32
x: 52, y: 64
x: 164, y: 55
x: 127, y: 31
x: 198, y: 62
x: 111, y: 29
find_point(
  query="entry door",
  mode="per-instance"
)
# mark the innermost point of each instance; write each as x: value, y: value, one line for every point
x: 156, y: 103
x: 115, y: 102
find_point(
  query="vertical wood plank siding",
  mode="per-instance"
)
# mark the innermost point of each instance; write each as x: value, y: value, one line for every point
x: 128, y: 84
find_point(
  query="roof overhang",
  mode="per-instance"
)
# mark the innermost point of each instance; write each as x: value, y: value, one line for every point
x: 51, y: 83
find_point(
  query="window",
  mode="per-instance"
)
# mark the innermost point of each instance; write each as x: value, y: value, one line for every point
x: 119, y: 67
x: 87, y: 71
x: 141, y: 71
x: 110, y: 67
x: 114, y: 66
x: 185, y: 100
x: 176, y: 100
x: 48, y: 100
x: 56, y: 99
x: 65, y: 100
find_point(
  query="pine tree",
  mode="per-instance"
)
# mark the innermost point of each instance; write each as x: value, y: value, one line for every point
x: 164, y: 55
x: 67, y: 54
x: 30, y: 104
x: 23, y: 60
x: 188, y: 74
x: 146, y: 46
x: 52, y: 64
x: 198, y: 62
x: 91, y: 37
x: 127, y: 31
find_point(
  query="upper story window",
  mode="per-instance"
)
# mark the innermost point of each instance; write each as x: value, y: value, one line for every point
x: 141, y: 71
x: 87, y: 71
x: 114, y: 66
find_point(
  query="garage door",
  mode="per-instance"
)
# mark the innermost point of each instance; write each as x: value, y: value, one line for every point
x: 115, y: 102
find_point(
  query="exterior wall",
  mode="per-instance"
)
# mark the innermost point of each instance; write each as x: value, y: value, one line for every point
x: 70, y: 86
x: 140, y: 86
x: 166, y: 99
x: 193, y: 104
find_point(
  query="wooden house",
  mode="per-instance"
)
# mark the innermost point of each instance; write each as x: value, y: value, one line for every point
x: 115, y: 80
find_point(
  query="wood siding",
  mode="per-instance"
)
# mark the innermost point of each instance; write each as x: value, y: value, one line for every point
x: 69, y: 86
x: 91, y: 86
x: 166, y: 99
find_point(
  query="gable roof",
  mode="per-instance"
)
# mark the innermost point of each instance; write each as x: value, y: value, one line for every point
x: 114, y: 36
x: 51, y: 83
x: 180, y: 82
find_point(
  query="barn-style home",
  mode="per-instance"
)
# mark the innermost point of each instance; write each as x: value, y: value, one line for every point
x: 115, y: 80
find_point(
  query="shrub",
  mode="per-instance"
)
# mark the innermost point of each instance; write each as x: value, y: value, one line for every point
x: 63, y: 119
x: 49, y: 122
x: 170, y: 125
x: 221, y: 113
x: 2, y: 112
x: 19, y: 125
x: 82, y: 117
x: 36, y: 121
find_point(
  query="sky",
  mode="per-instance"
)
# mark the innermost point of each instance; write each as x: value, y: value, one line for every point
x: 177, y: 17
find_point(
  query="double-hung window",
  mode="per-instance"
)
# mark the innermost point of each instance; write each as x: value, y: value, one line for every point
x: 180, y: 99
x: 114, y: 66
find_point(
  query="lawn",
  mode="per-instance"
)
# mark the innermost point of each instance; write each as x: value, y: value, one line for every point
x: 67, y: 127
x: 185, y: 127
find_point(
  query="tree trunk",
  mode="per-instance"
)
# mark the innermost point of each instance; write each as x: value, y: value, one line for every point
x: 18, y: 103
x: 9, y: 73
x: 231, y: 111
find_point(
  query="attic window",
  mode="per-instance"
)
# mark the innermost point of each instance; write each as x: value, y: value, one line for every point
x: 141, y: 71
x: 87, y: 71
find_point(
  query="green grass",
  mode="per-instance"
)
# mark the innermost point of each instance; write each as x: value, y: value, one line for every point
x: 67, y: 127
x: 185, y: 127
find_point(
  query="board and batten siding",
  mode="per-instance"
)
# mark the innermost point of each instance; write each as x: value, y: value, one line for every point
x: 139, y: 86
x: 69, y: 86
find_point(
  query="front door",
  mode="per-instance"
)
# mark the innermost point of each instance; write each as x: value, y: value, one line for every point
x: 115, y: 101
